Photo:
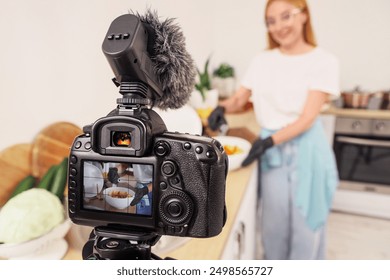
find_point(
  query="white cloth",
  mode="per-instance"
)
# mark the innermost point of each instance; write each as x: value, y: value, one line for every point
x: 280, y: 83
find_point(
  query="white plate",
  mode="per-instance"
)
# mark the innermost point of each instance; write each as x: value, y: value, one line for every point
x: 50, y: 246
x: 184, y: 120
x: 235, y: 160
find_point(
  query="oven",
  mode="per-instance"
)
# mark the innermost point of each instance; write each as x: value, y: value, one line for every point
x: 362, y: 150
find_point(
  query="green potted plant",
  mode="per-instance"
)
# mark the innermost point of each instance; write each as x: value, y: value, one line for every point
x: 204, y: 83
x: 205, y: 98
x: 224, y: 80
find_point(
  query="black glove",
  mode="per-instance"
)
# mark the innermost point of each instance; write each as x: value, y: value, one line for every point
x: 113, y: 175
x: 139, y: 194
x: 258, y: 148
x: 217, y: 118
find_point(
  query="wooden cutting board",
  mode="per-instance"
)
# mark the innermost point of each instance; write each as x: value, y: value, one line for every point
x: 15, y: 165
x: 51, y: 145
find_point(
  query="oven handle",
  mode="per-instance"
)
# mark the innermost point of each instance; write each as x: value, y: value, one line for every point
x: 365, y: 142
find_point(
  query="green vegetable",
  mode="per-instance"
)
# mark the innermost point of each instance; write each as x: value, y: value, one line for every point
x: 59, y: 181
x: 47, y: 179
x: 30, y: 214
x: 26, y: 184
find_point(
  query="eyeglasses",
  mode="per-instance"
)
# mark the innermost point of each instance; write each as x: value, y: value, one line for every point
x: 286, y: 19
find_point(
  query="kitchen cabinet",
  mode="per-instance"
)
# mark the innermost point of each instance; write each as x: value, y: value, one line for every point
x: 241, y: 241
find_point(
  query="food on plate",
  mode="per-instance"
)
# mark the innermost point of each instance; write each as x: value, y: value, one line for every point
x: 232, y: 149
x: 30, y: 214
x: 120, y: 194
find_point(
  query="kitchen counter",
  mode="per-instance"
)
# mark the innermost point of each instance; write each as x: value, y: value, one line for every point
x: 236, y: 184
x: 357, y: 113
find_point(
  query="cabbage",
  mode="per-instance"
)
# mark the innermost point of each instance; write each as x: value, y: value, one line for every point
x: 29, y: 214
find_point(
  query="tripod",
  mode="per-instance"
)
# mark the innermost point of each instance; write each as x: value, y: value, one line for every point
x: 112, y: 243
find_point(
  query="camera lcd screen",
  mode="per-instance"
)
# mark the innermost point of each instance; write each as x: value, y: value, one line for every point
x: 118, y: 187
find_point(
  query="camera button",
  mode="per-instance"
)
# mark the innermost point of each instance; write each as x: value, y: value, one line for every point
x: 170, y: 230
x: 118, y: 36
x: 72, y: 196
x: 72, y: 208
x: 175, y: 209
x: 110, y: 37
x: 175, y: 181
x: 178, y: 229
x: 73, y: 171
x: 72, y: 184
x: 187, y: 145
x: 210, y: 154
x: 87, y: 145
x: 168, y: 168
x: 163, y: 185
x: 199, y: 150
x: 77, y: 145
x: 73, y: 159
x: 162, y: 148
x: 126, y: 36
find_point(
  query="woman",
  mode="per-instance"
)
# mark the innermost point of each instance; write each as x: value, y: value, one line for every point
x: 289, y: 84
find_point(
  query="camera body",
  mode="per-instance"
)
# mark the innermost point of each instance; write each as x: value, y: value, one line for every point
x: 182, y: 177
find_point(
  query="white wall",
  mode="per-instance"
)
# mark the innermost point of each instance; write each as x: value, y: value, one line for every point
x: 52, y: 67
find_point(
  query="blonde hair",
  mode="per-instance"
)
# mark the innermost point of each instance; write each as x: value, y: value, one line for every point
x: 308, y: 33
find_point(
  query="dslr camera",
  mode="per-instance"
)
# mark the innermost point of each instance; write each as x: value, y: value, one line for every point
x: 126, y: 172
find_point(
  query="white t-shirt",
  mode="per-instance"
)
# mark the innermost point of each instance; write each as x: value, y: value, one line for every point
x: 143, y: 173
x: 280, y: 83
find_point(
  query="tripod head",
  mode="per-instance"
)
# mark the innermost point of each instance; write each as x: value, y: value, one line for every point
x: 114, y: 243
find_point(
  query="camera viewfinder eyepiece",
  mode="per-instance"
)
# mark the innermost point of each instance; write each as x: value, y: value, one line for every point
x: 121, y: 139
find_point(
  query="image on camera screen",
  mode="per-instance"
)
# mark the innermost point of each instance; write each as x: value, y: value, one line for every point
x: 118, y: 187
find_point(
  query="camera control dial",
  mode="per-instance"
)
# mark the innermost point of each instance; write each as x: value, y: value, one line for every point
x: 175, y: 208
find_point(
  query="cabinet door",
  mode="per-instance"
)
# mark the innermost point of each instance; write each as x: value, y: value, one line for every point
x: 241, y: 241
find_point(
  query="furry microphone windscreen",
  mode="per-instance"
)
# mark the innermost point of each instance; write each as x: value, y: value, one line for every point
x: 174, y: 66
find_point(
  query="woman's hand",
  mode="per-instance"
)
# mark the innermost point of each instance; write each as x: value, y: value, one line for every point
x: 258, y: 148
x: 237, y: 101
x: 217, y: 118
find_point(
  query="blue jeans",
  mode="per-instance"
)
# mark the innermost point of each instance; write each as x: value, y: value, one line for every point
x: 144, y: 207
x: 285, y: 234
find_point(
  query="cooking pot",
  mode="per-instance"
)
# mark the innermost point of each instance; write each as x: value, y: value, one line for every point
x: 385, y: 105
x: 356, y: 99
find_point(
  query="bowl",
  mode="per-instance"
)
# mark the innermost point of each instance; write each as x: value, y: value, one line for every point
x: 50, y: 246
x: 117, y: 202
x: 236, y: 159
x: 184, y: 120
x: 93, y: 180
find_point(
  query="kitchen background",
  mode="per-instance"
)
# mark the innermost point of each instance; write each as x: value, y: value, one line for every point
x: 52, y: 67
